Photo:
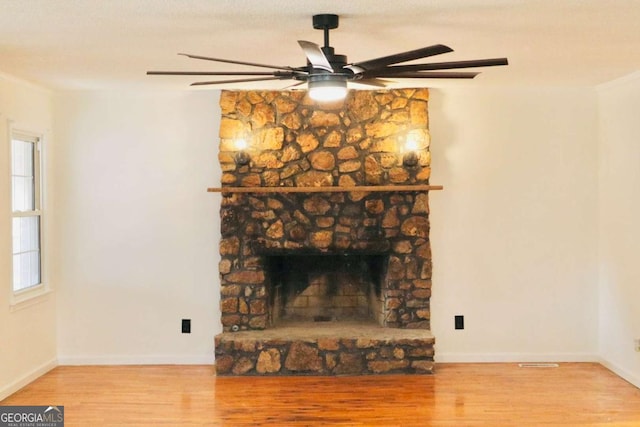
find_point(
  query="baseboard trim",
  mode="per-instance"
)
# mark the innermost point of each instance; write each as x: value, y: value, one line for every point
x: 137, y: 360
x: 621, y: 372
x: 28, y: 378
x: 514, y: 357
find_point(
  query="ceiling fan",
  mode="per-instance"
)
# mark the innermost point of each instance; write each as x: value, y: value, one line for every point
x: 327, y: 73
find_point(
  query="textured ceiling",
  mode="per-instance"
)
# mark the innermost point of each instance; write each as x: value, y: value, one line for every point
x: 98, y: 44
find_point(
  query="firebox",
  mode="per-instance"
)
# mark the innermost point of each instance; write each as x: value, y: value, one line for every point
x: 323, y: 288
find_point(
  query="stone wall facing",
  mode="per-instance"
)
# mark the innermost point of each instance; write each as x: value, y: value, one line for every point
x: 292, y: 142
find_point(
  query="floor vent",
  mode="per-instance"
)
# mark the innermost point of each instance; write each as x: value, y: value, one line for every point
x: 538, y: 365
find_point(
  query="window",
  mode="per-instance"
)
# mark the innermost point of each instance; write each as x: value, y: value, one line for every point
x: 26, y: 211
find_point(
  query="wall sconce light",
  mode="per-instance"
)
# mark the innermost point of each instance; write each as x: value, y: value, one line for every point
x: 242, y: 158
x: 410, y: 158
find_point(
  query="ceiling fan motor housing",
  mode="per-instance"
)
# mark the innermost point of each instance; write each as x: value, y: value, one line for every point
x: 327, y: 79
x: 337, y: 61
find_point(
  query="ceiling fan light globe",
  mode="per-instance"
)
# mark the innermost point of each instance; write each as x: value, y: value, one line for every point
x: 327, y: 91
x: 327, y: 94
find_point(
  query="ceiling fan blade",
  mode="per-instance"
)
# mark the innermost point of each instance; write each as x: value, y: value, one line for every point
x: 293, y: 85
x: 430, y: 75
x: 442, y: 66
x: 372, y: 82
x: 231, y: 61
x: 397, y: 58
x: 315, y: 55
x: 210, y: 73
x: 218, y: 82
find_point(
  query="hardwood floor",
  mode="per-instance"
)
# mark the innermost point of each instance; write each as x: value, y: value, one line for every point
x: 574, y: 394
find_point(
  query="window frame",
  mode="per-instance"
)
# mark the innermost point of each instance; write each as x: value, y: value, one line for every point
x: 24, y: 297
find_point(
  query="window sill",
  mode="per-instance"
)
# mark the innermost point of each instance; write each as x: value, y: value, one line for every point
x: 29, y: 297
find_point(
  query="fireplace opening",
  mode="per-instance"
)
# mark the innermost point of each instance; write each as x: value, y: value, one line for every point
x: 324, y: 288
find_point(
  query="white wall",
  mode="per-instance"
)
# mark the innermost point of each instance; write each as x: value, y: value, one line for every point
x: 513, y: 233
x: 138, y: 233
x: 27, y: 331
x: 618, y: 227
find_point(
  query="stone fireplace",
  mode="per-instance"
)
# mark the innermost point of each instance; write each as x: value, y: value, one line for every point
x: 315, y: 281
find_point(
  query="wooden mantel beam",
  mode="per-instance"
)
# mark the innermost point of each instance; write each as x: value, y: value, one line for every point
x: 330, y: 189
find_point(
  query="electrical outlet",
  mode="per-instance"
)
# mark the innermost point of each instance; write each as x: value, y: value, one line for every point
x: 186, y: 326
x: 459, y: 322
x: 637, y: 344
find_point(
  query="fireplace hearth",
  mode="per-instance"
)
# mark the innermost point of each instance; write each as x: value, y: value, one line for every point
x: 324, y: 283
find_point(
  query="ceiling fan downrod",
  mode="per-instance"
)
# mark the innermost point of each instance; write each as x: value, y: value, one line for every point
x: 326, y: 22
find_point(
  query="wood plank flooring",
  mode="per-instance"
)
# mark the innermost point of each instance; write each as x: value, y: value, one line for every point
x: 574, y: 394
